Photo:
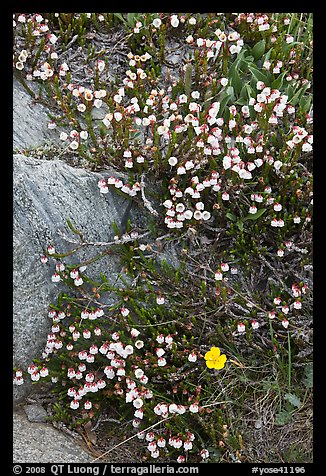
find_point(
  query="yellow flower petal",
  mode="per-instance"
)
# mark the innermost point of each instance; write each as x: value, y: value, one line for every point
x: 210, y: 364
x: 215, y: 351
x: 219, y: 364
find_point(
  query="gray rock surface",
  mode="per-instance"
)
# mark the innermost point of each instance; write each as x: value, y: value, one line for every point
x: 46, y: 193
x: 30, y: 121
x: 42, y: 443
x: 35, y: 412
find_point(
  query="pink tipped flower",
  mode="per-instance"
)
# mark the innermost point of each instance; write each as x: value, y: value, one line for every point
x: 194, y: 407
x: 82, y: 355
x: 138, y: 403
x: 224, y: 267
x: 218, y: 276
x: 159, y: 352
x: 274, y: 222
x: 160, y: 300
x: 160, y: 338
x: 87, y: 405
x: 181, y: 459
x: 241, y: 328
x: 254, y: 325
x: 204, y: 453
x: 55, y: 278
x: 177, y: 443
x: 35, y: 376
x: 109, y: 372
x: 51, y: 250
x: 44, y: 259
x: 192, y: 357
x: 151, y: 446
x: 124, y: 311
x: 74, y: 404
x: 295, y: 291
x: 134, y: 332
x: 297, y: 304
x: 161, y: 442
x: 78, y: 281
x: 150, y: 436
x: 285, y: 323
x: 75, y: 335
x: 187, y: 445
x: 168, y: 339
x: 93, y: 349
x: 74, y: 273
x: 84, y: 314
x: 181, y: 409
x: 280, y: 223
x: 44, y: 372
x: 155, y: 453
x: 285, y: 309
x: 271, y: 314
x: 173, y: 408
x: 161, y: 362
x: 304, y: 289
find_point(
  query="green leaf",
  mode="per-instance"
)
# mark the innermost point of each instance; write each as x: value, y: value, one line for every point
x: 230, y: 92
x: 115, y: 228
x: 230, y: 216
x: 282, y: 418
x: 239, y: 224
x: 244, y: 93
x: 305, y: 103
x: 223, y: 104
x: 188, y: 79
x: 255, y: 216
x: 249, y: 58
x: 242, y: 101
x: 258, y: 75
x: 131, y: 19
x: 293, y: 399
x: 267, y: 55
x: 295, y: 99
x: 118, y: 15
x: 277, y: 83
x: 236, y: 81
x: 72, y: 228
x: 258, y: 50
x: 308, y: 376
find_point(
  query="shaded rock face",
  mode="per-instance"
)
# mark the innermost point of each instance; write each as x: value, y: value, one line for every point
x: 41, y: 443
x: 46, y: 193
x: 30, y: 121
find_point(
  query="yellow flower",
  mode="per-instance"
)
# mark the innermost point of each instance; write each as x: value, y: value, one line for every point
x: 214, y: 359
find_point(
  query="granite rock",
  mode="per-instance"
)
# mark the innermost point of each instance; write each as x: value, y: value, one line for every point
x: 35, y: 412
x: 46, y: 193
x: 41, y: 443
x: 30, y: 121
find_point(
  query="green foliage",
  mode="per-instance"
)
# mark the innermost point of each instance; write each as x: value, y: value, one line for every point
x: 292, y: 399
x: 308, y: 376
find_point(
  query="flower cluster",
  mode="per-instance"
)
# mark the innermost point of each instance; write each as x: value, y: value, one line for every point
x: 126, y: 188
